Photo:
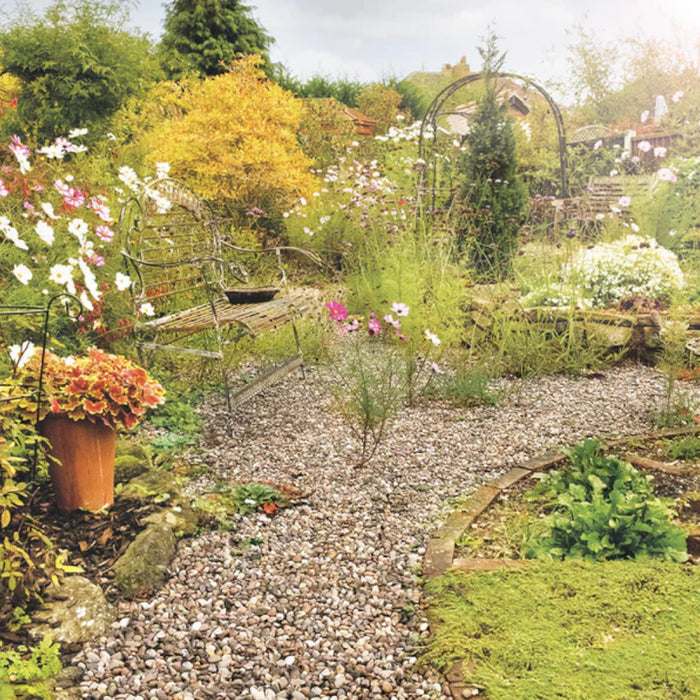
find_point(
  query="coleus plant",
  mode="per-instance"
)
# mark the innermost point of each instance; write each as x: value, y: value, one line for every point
x: 99, y: 387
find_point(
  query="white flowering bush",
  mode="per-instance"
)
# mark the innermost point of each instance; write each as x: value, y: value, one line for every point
x: 55, y: 231
x: 602, y: 275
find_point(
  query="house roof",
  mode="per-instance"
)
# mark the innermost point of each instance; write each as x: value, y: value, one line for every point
x: 364, y: 125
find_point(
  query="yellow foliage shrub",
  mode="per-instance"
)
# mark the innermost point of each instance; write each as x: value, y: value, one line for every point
x: 236, y: 140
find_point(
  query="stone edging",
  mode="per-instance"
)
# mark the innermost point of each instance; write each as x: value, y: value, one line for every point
x: 439, y: 553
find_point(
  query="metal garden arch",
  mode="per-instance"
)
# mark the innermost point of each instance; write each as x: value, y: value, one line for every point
x: 429, y: 125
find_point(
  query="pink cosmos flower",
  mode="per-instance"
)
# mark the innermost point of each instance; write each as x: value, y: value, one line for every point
x: 337, y: 311
x: 666, y: 174
x: 105, y: 233
x: 399, y: 308
x: 660, y: 152
x: 3, y: 189
x: 96, y: 259
x: 635, y: 159
x: 388, y: 318
x: 21, y: 151
x: 98, y: 205
x: 66, y: 145
x: 74, y: 198
x: 624, y: 201
x: 401, y: 336
x: 436, y: 368
x: 349, y: 327
x: 61, y: 187
x: 374, y: 326
x: 644, y: 146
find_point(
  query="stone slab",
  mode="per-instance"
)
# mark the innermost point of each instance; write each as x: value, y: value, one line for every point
x: 509, y: 478
x: 693, y: 538
x: 480, y: 500
x: 473, y: 565
x: 438, y: 557
x: 455, y: 525
x: 653, y: 465
x: 549, y: 459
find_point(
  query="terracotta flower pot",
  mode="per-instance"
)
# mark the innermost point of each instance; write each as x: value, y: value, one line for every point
x: 85, y: 476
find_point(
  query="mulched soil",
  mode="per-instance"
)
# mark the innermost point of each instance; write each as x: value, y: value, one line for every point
x: 95, y: 540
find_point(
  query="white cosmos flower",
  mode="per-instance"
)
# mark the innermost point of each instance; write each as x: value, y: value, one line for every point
x: 74, y: 133
x: 432, y: 337
x: 45, y: 232
x: 21, y: 354
x: 147, y: 309
x: 53, y: 151
x: 129, y: 177
x: 22, y: 273
x: 122, y: 281
x: 61, y: 274
x: 85, y: 301
x: 78, y: 228
x: 162, y: 169
x: 48, y: 210
x: 12, y: 235
x: 90, y: 280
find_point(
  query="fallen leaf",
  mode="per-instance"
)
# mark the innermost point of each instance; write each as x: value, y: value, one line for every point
x: 270, y: 508
x: 105, y: 536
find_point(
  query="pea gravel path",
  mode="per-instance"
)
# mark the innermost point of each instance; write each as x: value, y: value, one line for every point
x: 322, y: 600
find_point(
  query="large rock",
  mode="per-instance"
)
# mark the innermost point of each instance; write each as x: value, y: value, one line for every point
x: 76, y: 612
x: 144, y: 565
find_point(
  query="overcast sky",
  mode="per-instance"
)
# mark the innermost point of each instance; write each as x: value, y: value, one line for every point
x: 372, y: 39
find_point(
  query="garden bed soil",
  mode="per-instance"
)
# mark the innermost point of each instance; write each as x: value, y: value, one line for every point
x: 499, y: 531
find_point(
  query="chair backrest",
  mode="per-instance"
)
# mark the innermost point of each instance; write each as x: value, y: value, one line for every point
x: 171, y: 241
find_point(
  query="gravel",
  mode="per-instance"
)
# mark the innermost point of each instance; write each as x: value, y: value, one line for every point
x: 323, y: 600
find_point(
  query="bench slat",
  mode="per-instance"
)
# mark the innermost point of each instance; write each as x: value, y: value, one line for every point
x: 255, y: 318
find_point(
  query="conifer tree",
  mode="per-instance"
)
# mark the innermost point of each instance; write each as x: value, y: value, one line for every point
x: 208, y: 35
x: 492, y: 195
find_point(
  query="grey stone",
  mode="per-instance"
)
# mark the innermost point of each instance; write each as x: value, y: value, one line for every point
x: 76, y: 612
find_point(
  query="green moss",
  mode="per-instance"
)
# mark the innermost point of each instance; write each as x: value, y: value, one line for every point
x: 153, y: 483
x: 127, y: 467
x: 591, y: 631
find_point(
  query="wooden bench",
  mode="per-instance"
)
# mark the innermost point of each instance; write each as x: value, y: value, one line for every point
x: 181, y: 264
